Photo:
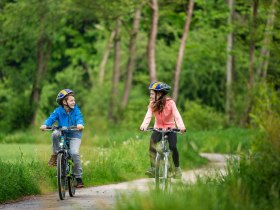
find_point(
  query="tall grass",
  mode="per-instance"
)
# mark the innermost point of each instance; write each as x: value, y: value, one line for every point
x: 220, y: 192
x: 21, y: 179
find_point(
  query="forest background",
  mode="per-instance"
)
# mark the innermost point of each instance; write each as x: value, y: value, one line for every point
x: 220, y: 57
x: 108, y: 52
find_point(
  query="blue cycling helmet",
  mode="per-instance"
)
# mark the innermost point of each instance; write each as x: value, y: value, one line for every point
x: 159, y: 86
x: 61, y: 95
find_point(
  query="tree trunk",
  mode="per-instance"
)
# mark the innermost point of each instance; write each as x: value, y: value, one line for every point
x: 251, y: 81
x: 265, y: 52
x: 181, y: 51
x: 43, y: 54
x: 229, y: 65
x: 116, y: 74
x: 252, y: 46
x: 152, y: 41
x: 131, y: 61
x: 105, y: 58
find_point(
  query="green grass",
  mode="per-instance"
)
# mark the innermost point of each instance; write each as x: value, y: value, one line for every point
x: 101, y: 165
x: 221, y: 193
x: 108, y: 158
x: 26, y: 152
x: 231, y: 140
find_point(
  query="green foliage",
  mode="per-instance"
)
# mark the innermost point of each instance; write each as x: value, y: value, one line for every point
x: 14, y: 110
x: 111, y: 165
x: 188, y: 152
x: 78, y: 32
x: 201, y: 117
x: 230, y: 140
x: 261, y: 178
x: 18, y: 137
x: 134, y: 113
x: 219, y: 192
x: 23, y: 179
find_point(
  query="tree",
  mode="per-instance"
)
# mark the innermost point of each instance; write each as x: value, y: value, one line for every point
x: 116, y: 73
x: 132, y: 54
x: 105, y: 57
x: 229, y: 63
x: 265, y: 51
x: 251, y: 81
x: 152, y: 41
x: 33, y: 25
x: 181, y: 50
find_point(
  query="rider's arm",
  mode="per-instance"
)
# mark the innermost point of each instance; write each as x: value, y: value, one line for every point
x: 147, y: 119
x: 178, y: 119
x: 79, y: 116
x: 51, y: 119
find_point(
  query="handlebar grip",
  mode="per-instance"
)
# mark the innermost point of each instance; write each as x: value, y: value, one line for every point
x: 176, y: 130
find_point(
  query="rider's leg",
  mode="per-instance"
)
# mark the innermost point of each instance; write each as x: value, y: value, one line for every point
x: 152, y: 152
x: 55, y: 147
x: 74, y: 151
x: 156, y: 136
x: 55, y: 141
x: 172, y: 138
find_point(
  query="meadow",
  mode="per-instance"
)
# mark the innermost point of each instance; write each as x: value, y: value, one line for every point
x: 23, y: 162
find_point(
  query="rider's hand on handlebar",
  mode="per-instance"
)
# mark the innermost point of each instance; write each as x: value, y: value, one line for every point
x: 80, y: 127
x: 183, y: 130
x: 143, y: 128
x: 43, y: 127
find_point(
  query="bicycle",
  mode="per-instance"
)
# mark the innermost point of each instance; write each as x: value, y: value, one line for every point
x: 65, y: 177
x: 164, y: 165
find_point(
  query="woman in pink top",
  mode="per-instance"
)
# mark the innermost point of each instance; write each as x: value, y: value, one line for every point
x: 166, y: 116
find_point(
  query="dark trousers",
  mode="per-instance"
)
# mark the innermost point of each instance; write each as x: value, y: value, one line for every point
x: 172, y: 140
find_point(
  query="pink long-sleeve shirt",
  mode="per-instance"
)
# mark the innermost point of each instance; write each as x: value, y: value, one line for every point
x: 166, y: 119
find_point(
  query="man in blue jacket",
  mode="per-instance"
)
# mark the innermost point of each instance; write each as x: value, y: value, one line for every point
x: 67, y: 114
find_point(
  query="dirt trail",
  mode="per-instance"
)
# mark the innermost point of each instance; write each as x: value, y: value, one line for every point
x: 103, y: 197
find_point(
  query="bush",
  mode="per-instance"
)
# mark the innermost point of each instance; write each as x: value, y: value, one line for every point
x: 199, y: 117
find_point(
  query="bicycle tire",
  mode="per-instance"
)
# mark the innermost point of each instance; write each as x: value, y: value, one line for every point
x: 71, y: 179
x: 61, y: 175
x: 161, y: 173
x: 170, y: 172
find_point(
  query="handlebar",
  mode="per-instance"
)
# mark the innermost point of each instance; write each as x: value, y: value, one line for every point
x: 168, y: 130
x: 52, y: 128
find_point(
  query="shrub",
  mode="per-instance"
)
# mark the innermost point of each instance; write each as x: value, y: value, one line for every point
x: 199, y: 117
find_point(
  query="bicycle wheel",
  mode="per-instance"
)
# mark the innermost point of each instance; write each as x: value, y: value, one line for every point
x: 170, y: 172
x: 161, y: 173
x: 71, y: 179
x: 61, y: 175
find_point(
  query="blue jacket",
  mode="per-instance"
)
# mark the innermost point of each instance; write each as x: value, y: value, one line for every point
x: 73, y: 118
